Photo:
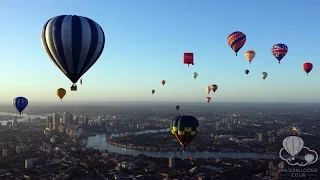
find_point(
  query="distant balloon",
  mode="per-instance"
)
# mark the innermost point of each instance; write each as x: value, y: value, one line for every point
x: 208, y: 89
x: 61, y: 93
x: 208, y: 99
x: 309, y: 158
x: 194, y: 75
x: 184, y: 128
x: 247, y: 71
x: 279, y: 51
x: 250, y: 54
x: 153, y: 91
x: 73, y: 43
x: 177, y: 107
x: 188, y: 58
x: 307, y: 67
x: 236, y: 41
x: 20, y: 103
x: 214, y: 87
x: 264, y: 75
x: 163, y: 82
x: 293, y: 145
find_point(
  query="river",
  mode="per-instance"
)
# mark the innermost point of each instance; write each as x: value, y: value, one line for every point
x: 100, y: 142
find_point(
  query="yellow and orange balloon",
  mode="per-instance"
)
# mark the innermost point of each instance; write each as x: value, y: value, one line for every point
x: 61, y: 93
x: 250, y: 54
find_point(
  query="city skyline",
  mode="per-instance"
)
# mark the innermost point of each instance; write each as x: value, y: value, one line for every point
x: 145, y: 42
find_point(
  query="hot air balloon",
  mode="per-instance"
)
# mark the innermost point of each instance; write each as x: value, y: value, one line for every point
x: 188, y: 58
x: 264, y: 75
x: 208, y: 99
x: 61, y: 93
x: 153, y: 91
x: 208, y: 89
x: 250, y: 54
x: 194, y: 75
x: 279, y: 51
x: 81, y: 81
x: 247, y: 71
x: 163, y: 82
x: 177, y: 107
x: 185, y: 128
x: 307, y: 67
x: 236, y: 41
x: 214, y: 88
x: 20, y: 103
x: 309, y: 158
x: 293, y: 145
x: 74, y: 44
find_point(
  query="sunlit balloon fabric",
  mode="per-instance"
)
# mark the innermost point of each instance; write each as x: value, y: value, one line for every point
x: 250, y: 54
x: 184, y: 128
x: 61, y: 93
x: 236, y: 41
x: 74, y: 43
x: 279, y: 51
x: 20, y: 103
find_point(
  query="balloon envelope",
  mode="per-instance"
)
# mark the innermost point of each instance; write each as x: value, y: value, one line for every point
x: 307, y: 67
x: 61, y: 93
x: 20, y: 103
x: 185, y: 128
x: 250, y: 54
x: 279, y: 51
x: 177, y: 107
x: 236, y: 40
x: 73, y: 43
x: 247, y: 71
x: 188, y: 58
x: 194, y: 75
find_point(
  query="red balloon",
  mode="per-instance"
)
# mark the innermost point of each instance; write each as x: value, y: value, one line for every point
x: 188, y: 58
x: 307, y: 67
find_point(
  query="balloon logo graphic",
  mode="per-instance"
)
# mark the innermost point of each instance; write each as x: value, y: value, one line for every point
x: 309, y: 158
x: 293, y: 145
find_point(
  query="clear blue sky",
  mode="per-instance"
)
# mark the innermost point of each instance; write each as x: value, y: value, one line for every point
x: 145, y: 42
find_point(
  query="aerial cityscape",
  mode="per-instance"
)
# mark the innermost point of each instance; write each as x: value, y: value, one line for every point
x: 134, y: 141
x: 159, y: 90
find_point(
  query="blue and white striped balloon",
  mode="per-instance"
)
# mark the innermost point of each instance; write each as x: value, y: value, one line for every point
x: 74, y: 43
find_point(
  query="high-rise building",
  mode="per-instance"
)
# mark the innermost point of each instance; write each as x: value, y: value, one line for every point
x: 18, y: 149
x: 66, y: 118
x: 49, y: 120
x: 28, y: 164
x: 15, y: 121
x: 4, y: 152
x: 86, y: 120
x: 50, y: 127
x: 172, y: 162
x: 259, y: 136
x: 75, y: 119
x: 56, y: 119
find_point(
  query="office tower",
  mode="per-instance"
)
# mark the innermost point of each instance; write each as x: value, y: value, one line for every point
x: 18, y: 149
x: 28, y: 164
x: 49, y: 120
x: 217, y: 125
x: 260, y: 137
x: 50, y: 127
x: 172, y: 162
x: 56, y: 119
x: 86, y: 120
x: 4, y: 152
x: 15, y: 121
x: 66, y: 118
